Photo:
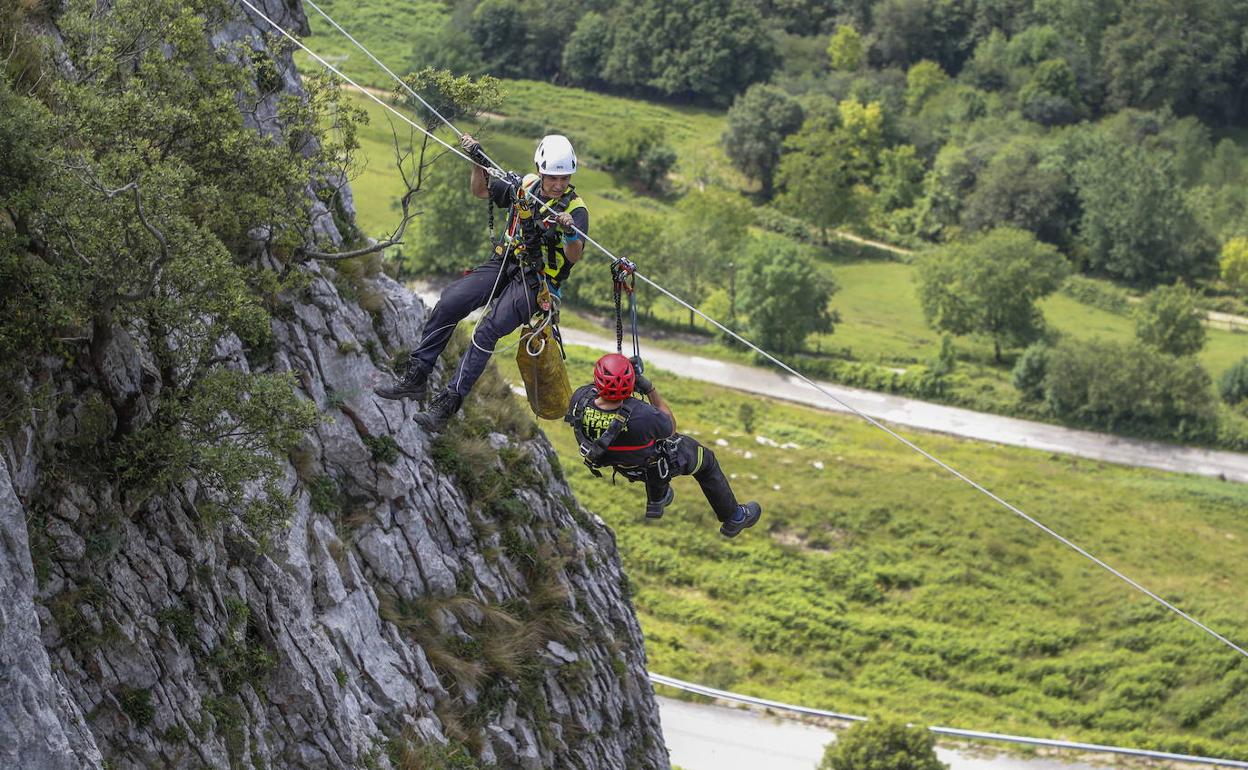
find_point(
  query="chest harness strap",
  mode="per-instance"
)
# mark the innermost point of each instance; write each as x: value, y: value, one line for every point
x: 594, y: 451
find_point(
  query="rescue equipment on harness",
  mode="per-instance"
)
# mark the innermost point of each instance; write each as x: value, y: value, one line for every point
x: 538, y: 242
x: 540, y: 360
x: 594, y: 451
x: 623, y: 279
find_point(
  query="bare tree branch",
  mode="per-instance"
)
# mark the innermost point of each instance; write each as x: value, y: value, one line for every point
x: 401, y: 157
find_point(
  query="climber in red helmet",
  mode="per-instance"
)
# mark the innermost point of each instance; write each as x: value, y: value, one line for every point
x: 639, y: 440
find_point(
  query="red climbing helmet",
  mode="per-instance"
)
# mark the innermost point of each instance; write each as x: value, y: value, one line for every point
x: 614, y: 378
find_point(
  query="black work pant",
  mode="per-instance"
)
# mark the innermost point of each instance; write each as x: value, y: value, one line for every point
x: 692, y: 459
x: 515, y: 302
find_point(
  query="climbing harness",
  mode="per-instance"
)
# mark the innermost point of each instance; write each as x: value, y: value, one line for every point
x: 496, y: 171
x: 594, y: 450
x: 539, y: 242
x: 657, y: 466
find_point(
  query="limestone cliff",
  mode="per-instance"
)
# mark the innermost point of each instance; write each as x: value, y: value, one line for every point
x: 432, y: 603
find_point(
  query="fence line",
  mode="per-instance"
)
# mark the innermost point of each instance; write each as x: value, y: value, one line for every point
x: 953, y: 732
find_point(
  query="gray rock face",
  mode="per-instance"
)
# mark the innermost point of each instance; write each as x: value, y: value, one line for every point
x: 396, y: 616
x: 40, y: 725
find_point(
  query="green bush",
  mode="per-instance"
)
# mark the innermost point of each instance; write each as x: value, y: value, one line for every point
x: 638, y: 153
x: 917, y: 380
x: 1098, y: 294
x: 775, y: 221
x: 1029, y: 371
x: 1113, y: 386
x: 1169, y: 320
x: 1233, y: 386
x: 879, y: 745
x: 137, y: 704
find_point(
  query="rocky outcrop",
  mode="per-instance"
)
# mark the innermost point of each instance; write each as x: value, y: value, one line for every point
x: 40, y: 725
x: 430, y: 603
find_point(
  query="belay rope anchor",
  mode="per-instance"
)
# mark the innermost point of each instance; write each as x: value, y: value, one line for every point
x: 623, y: 279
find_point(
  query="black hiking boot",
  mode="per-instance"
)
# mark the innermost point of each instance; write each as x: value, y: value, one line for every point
x: 655, y: 510
x: 413, y: 384
x: 439, y: 413
x: 745, y: 517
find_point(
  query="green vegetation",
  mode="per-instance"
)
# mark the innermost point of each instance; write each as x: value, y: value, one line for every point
x: 131, y: 186
x: 1168, y: 319
x: 990, y: 285
x: 878, y: 584
x: 137, y: 704
x: 410, y: 754
x: 1234, y: 383
x: 241, y: 659
x: 882, y: 746
x: 1039, y: 120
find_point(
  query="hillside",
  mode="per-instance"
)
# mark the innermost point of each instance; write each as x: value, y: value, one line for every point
x: 218, y: 549
x: 879, y: 585
x: 1017, y: 123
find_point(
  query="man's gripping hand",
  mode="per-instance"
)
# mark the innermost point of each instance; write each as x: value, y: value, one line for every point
x: 473, y: 148
x: 642, y: 383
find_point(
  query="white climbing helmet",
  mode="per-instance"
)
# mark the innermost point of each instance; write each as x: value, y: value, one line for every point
x: 555, y: 155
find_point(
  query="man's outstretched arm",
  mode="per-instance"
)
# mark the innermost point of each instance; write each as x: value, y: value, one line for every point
x: 478, y: 183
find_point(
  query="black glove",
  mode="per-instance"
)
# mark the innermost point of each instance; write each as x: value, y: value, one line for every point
x: 641, y: 383
x: 515, y: 182
x: 473, y: 148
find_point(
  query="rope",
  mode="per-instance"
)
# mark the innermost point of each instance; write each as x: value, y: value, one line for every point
x: 619, y: 318
x: 398, y: 79
x: 846, y: 406
x: 632, y: 309
x: 354, y: 84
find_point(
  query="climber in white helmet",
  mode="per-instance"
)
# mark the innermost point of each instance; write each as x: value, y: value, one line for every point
x: 541, y: 243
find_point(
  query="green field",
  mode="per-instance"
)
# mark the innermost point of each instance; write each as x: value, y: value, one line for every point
x: 386, y: 28
x: 878, y: 584
x: 882, y: 320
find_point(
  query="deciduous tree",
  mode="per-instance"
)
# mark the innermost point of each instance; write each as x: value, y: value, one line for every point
x: 845, y: 49
x: 758, y: 122
x: 784, y: 294
x: 708, y: 233
x: 1170, y: 320
x: 990, y: 285
x: 705, y: 49
x: 1234, y: 263
x: 1136, y: 224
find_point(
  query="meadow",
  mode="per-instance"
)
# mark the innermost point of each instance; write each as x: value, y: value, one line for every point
x: 878, y: 584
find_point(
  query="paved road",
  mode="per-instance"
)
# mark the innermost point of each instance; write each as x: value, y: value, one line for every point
x: 944, y: 419
x: 707, y: 737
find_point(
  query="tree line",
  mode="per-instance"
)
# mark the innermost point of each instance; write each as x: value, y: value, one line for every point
x: 1063, y: 59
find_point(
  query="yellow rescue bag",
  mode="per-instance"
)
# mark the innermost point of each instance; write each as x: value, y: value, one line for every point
x: 545, y: 378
